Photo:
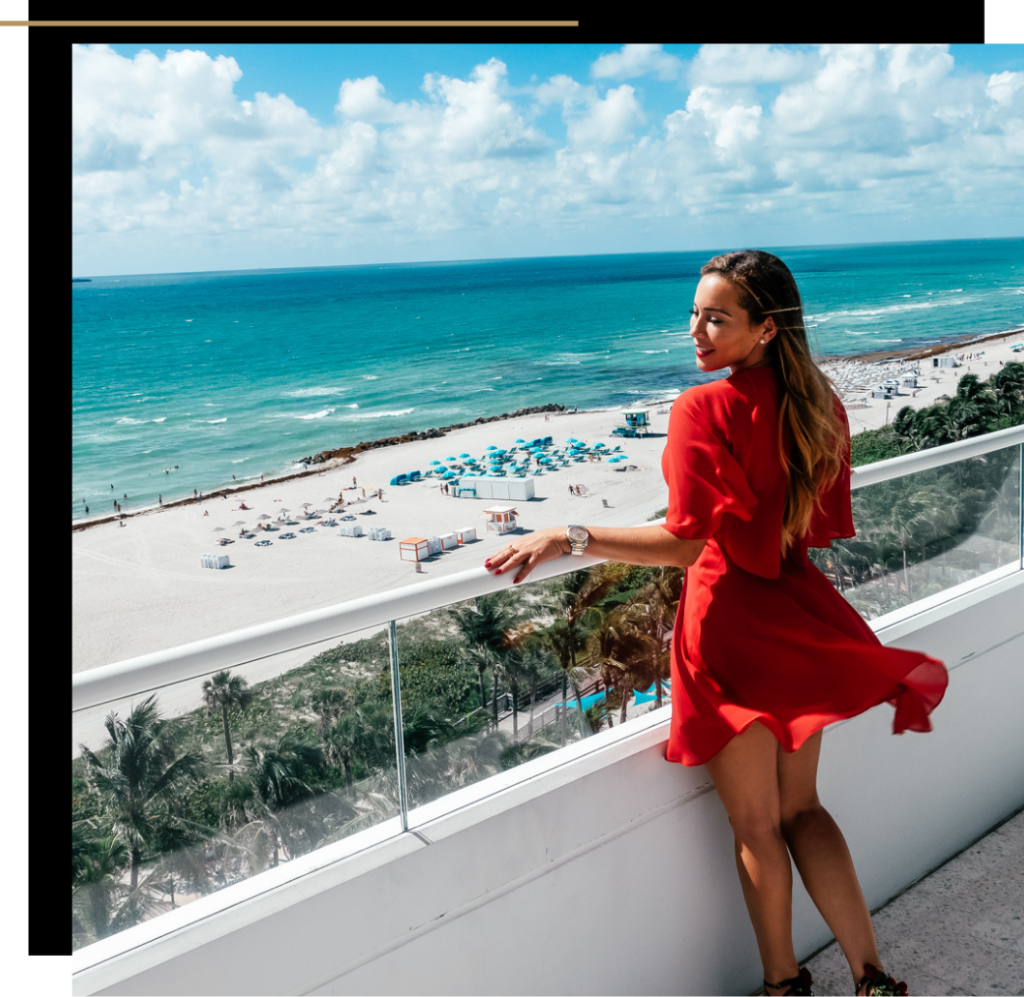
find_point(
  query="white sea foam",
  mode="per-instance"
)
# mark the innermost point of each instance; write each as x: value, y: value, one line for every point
x: 315, y: 392
x: 161, y: 419
x: 316, y: 415
x: 889, y: 309
x: 376, y: 415
x: 125, y: 421
x: 370, y: 377
x: 211, y: 422
x: 654, y: 351
x: 239, y: 461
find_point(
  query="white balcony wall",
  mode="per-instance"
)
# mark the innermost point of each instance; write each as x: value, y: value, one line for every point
x: 602, y: 869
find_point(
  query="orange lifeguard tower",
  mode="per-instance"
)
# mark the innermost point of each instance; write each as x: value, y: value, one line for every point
x: 501, y: 518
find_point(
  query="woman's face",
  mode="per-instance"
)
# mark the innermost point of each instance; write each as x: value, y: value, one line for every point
x: 721, y: 330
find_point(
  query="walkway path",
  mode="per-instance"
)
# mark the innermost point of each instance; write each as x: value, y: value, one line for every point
x: 960, y: 930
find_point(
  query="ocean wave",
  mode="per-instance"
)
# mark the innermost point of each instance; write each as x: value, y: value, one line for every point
x: 161, y: 419
x: 654, y: 351
x: 376, y: 415
x: 370, y: 377
x: 211, y: 422
x: 239, y: 460
x: 315, y: 392
x: 889, y: 309
x: 125, y: 421
x: 316, y: 415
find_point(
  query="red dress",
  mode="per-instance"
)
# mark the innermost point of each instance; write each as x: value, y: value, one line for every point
x: 758, y: 636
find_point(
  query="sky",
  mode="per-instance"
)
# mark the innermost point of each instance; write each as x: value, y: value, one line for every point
x: 246, y: 156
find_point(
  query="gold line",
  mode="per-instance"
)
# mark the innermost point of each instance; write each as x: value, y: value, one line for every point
x: 290, y: 24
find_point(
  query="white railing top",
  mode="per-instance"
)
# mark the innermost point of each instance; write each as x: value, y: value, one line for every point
x: 925, y: 460
x: 150, y: 672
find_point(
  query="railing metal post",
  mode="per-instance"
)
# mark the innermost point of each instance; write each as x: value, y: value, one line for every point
x: 396, y: 695
x: 1020, y: 503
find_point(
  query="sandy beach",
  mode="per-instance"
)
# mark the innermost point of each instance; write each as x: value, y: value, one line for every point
x: 140, y: 587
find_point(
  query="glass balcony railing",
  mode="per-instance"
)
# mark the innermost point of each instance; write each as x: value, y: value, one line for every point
x: 198, y: 767
x: 928, y: 530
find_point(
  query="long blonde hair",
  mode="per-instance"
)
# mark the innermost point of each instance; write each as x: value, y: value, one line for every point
x: 765, y: 287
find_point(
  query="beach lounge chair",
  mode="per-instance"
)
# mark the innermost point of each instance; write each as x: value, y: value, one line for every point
x: 263, y: 543
x: 289, y: 536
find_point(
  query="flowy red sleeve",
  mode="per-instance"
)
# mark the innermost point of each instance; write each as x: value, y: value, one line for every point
x: 706, y: 484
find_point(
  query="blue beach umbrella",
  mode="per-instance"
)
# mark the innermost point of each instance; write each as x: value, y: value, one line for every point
x: 435, y: 462
x: 451, y: 458
x: 520, y: 441
x: 463, y: 454
x: 596, y: 445
x: 492, y: 448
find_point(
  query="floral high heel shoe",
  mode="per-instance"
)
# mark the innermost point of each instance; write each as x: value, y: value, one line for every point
x: 879, y: 984
x: 797, y: 986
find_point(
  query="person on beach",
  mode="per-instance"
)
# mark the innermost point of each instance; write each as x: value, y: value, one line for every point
x: 765, y: 651
x: 159, y: 500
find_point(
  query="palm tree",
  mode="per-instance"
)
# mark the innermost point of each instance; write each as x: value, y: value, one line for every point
x: 623, y: 647
x: 659, y: 601
x: 222, y: 693
x: 1007, y: 387
x: 571, y: 599
x: 904, y: 428
x: 278, y: 777
x: 137, y: 774
x: 483, y: 625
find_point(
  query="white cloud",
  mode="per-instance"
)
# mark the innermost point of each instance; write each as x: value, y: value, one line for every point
x: 637, y: 60
x: 165, y: 150
x: 1002, y: 86
x: 609, y: 119
x: 745, y: 64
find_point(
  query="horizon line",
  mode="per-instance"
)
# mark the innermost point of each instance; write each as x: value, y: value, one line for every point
x: 560, y: 256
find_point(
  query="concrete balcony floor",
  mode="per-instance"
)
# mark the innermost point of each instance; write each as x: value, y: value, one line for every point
x: 959, y: 930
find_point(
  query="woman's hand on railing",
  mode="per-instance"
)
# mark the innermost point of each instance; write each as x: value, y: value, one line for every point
x: 525, y: 553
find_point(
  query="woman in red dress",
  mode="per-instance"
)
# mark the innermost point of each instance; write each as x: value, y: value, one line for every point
x: 765, y: 652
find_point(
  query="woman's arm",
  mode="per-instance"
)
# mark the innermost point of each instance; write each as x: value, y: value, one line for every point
x: 631, y: 545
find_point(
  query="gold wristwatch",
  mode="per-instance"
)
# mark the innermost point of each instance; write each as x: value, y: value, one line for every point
x: 578, y: 538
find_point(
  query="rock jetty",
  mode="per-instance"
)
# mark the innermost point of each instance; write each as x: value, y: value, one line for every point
x: 349, y: 453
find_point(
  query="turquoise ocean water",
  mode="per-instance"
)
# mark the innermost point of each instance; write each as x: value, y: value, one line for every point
x: 243, y: 373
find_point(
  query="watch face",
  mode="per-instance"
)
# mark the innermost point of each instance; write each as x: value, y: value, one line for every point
x: 577, y: 533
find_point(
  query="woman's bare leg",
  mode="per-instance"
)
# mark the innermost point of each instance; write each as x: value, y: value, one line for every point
x: 822, y: 856
x: 745, y: 772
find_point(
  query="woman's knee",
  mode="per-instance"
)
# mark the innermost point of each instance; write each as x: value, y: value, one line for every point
x: 750, y: 828
x: 801, y: 813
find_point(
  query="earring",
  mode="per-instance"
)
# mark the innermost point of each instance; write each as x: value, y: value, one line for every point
x: 762, y: 342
